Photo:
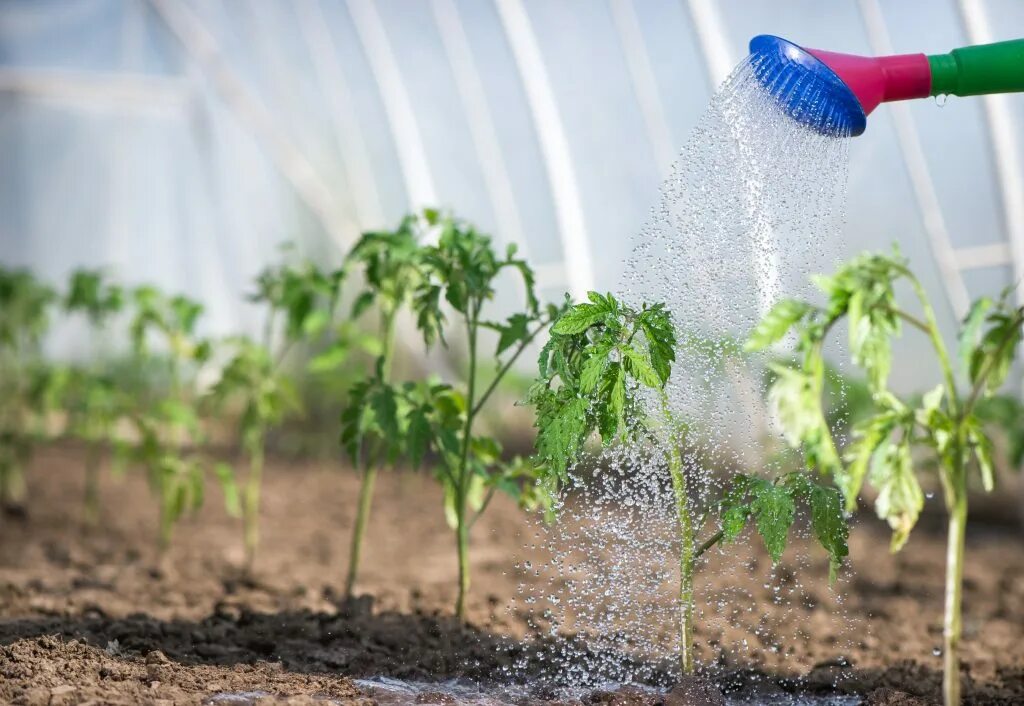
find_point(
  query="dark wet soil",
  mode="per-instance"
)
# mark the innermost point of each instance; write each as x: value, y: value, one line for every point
x: 94, y: 617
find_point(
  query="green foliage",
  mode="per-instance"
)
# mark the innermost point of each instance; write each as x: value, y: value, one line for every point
x: 605, y: 365
x: 428, y: 420
x: 881, y: 449
x: 25, y: 304
x: 462, y: 270
x: 90, y: 293
x: 95, y: 404
x: 946, y: 426
x: 1005, y: 413
x: 167, y: 433
x: 773, y: 507
x: 601, y: 353
x: 28, y: 385
x: 172, y: 321
x: 300, y: 297
x: 262, y: 393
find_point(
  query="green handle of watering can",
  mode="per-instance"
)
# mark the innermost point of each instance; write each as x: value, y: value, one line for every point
x: 979, y: 70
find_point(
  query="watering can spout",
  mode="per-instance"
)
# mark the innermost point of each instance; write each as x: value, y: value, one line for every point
x: 834, y: 93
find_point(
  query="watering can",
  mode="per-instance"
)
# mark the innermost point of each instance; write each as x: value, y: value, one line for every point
x: 834, y: 93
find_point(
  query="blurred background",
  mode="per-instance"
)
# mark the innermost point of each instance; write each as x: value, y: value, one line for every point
x: 179, y: 142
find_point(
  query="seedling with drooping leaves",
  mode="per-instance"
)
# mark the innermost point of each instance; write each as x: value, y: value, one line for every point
x: 168, y: 433
x: 93, y: 401
x: 300, y: 300
x: 417, y: 419
x: 604, y: 371
x: 27, y: 382
x: 945, y: 423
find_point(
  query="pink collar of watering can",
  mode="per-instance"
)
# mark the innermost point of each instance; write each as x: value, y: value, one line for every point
x: 875, y: 80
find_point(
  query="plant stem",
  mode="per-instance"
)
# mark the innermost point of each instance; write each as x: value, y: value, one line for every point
x: 687, y: 552
x: 711, y: 541
x: 362, y: 516
x: 91, y: 515
x: 369, y: 461
x: 462, y: 477
x: 251, y: 507
x: 462, y: 547
x: 687, y: 555
x: 954, y: 593
x: 166, y: 525
x: 932, y: 329
x: 507, y: 366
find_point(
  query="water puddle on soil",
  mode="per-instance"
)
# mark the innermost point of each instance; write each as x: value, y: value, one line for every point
x: 464, y: 692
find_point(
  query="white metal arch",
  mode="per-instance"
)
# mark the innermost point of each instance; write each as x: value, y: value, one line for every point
x: 405, y: 131
x: 481, y: 122
x: 202, y: 48
x: 645, y: 85
x: 554, y: 145
x: 1006, y: 149
x: 348, y: 133
x: 713, y: 39
x: 928, y: 204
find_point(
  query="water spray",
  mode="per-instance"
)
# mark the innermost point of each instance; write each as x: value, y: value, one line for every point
x: 833, y: 93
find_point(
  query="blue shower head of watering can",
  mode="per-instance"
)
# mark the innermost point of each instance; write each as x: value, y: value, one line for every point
x: 833, y: 93
x: 805, y: 87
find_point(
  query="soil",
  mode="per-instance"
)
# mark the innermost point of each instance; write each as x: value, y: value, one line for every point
x: 92, y: 616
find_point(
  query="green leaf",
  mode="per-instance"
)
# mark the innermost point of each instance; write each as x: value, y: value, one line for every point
x: 561, y: 437
x: 229, y: 488
x: 774, y: 511
x: 734, y: 507
x: 637, y: 366
x: 793, y: 400
x: 734, y: 519
x: 776, y: 323
x: 829, y: 525
x: 593, y: 369
x: 385, y: 411
x: 982, y: 448
x: 418, y: 436
x: 331, y: 358
x: 900, y: 498
x: 476, y: 492
x: 579, y: 318
x: 868, y: 436
x: 363, y: 302
x: 970, y: 329
x: 515, y: 330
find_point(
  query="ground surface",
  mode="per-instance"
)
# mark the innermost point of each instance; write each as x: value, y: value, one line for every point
x: 91, y: 616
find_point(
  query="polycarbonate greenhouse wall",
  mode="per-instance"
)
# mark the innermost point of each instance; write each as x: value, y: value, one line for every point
x: 180, y: 141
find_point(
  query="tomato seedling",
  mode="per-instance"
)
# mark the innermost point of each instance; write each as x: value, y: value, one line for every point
x: 417, y: 419
x: 391, y: 264
x: 604, y: 371
x: 945, y: 423
x: 94, y: 403
x: 300, y: 301
x: 168, y: 433
x: 253, y: 379
x: 27, y: 382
